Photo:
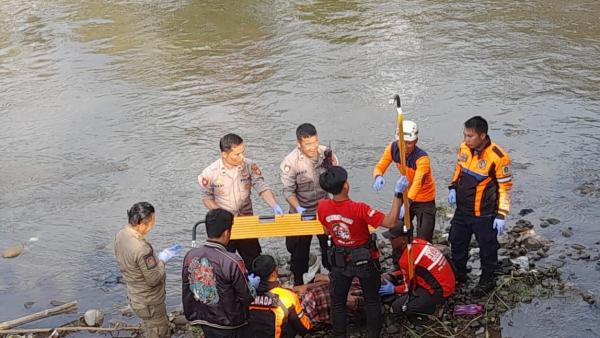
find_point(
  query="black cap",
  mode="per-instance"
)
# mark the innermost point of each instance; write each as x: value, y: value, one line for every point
x: 263, y: 266
x: 397, y: 231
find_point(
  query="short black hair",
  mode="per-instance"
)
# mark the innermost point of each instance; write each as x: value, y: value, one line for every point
x: 229, y: 141
x: 217, y: 221
x: 263, y: 266
x: 139, y: 212
x: 333, y: 179
x: 477, y: 123
x: 305, y: 130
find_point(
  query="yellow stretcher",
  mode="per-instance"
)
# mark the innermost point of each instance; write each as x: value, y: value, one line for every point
x: 272, y: 226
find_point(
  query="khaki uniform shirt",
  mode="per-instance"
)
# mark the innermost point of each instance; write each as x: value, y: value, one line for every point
x: 300, y: 178
x: 230, y: 188
x: 144, y: 274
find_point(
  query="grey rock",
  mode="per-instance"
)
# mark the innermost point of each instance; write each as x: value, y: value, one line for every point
x: 567, y: 233
x: 526, y: 211
x: 13, y: 251
x: 588, y: 297
x: 180, y: 320
x: 522, y: 225
x: 93, y: 317
x: 532, y: 244
x: 577, y: 246
x: 522, y: 262
x: 57, y: 303
x: 480, y: 332
x: 544, y: 224
x: 552, y: 221
x: 503, y: 241
x: 28, y: 305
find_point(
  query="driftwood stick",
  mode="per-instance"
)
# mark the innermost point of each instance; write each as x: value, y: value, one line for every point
x: 72, y: 328
x: 68, y: 307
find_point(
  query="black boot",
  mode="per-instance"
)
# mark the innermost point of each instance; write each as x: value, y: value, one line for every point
x: 487, y: 283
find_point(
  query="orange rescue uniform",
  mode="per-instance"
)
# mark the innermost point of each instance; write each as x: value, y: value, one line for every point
x: 483, y: 181
x: 277, y: 313
x: 421, y: 183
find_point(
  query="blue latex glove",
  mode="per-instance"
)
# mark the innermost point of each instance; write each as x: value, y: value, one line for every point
x: 277, y: 209
x: 401, y: 216
x: 499, y: 225
x: 300, y: 209
x: 254, y: 280
x: 452, y: 197
x: 386, y: 289
x: 170, y: 252
x: 401, y: 184
x: 378, y: 184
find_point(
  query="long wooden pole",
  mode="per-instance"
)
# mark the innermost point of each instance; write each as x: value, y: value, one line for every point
x: 71, y: 328
x: 407, y: 223
x: 402, y: 147
x: 68, y: 307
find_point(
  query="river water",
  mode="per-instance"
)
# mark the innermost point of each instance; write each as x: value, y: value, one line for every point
x: 106, y: 103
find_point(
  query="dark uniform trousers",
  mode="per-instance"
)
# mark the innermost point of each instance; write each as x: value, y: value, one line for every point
x: 370, y: 281
x: 463, y: 225
x: 425, y: 214
x: 154, y: 320
x: 419, y: 302
x: 213, y: 332
x: 299, y: 248
x: 248, y: 249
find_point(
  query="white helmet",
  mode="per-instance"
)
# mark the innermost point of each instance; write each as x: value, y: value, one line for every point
x: 411, y: 131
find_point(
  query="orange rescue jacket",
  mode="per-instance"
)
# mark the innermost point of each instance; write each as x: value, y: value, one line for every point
x: 418, y: 171
x: 277, y: 313
x: 430, y: 268
x: 482, y: 180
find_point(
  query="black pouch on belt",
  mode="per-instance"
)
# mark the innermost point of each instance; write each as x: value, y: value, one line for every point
x: 360, y: 256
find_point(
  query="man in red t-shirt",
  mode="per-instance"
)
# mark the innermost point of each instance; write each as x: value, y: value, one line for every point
x: 354, y: 253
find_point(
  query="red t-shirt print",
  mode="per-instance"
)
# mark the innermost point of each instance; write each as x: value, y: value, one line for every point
x: 347, y: 222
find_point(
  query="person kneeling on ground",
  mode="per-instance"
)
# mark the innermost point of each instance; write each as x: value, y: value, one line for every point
x: 424, y: 277
x: 276, y: 311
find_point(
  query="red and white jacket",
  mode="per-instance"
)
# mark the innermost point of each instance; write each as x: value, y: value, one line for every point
x: 425, y: 265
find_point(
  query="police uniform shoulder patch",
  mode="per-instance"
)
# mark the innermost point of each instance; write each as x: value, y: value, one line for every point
x: 462, y: 157
x: 204, y: 181
x: 150, y: 261
x: 255, y: 169
x: 286, y: 168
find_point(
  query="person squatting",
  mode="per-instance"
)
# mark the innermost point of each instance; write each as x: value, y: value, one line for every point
x: 229, y: 294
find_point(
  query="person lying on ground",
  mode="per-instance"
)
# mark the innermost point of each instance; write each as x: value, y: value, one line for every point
x: 316, y: 301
